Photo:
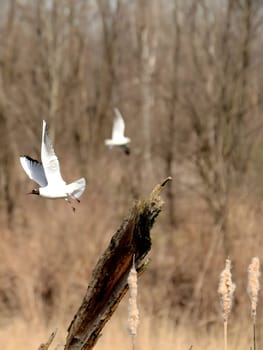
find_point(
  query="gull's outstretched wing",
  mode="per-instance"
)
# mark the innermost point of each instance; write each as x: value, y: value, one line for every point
x: 118, y: 125
x: 34, y: 169
x: 49, y: 159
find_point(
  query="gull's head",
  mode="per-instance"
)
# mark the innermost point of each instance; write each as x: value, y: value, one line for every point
x: 34, y: 191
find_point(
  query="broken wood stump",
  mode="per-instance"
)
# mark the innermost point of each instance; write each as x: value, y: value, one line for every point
x: 108, y: 282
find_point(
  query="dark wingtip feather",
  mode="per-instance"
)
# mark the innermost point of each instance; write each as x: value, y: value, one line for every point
x: 31, y: 159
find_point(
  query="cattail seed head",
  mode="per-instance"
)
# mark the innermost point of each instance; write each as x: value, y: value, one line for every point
x: 133, y: 312
x: 253, y: 284
x: 226, y: 290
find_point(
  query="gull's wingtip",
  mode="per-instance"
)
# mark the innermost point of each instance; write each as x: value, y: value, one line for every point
x: 44, y: 129
x: 23, y: 161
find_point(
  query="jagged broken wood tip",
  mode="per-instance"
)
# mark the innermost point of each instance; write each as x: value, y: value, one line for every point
x: 158, y: 188
x: 103, y: 294
x: 169, y: 178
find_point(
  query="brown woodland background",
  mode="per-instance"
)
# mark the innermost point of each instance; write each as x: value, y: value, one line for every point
x: 187, y: 77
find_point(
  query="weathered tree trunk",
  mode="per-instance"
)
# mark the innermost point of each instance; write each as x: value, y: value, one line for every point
x: 109, y: 279
x: 108, y: 282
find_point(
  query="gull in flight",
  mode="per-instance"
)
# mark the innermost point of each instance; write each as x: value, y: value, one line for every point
x: 118, y: 139
x: 47, y: 174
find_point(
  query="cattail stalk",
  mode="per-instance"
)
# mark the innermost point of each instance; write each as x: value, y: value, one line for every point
x: 133, y: 311
x: 226, y: 290
x: 252, y: 290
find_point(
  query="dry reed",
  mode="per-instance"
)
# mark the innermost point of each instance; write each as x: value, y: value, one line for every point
x: 253, y: 289
x: 253, y: 285
x: 226, y: 290
x: 133, y: 311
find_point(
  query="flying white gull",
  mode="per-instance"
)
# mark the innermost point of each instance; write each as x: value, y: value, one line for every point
x: 118, y: 139
x: 47, y: 174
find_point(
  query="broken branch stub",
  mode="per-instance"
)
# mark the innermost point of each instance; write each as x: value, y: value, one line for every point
x: 109, y: 279
x: 45, y: 346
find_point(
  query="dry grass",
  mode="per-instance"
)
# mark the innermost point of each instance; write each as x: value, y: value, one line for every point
x: 253, y: 289
x: 253, y: 285
x: 45, y: 267
x: 133, y: 311
x: 226, y: 291
x: 153, y: 334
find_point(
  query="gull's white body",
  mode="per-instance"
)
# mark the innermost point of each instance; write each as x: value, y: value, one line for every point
x: 71, y: 191
x: 47, y: 174
x: 118, y: 139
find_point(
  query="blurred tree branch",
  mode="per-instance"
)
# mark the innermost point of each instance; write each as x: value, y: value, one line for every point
x: 172, y: 103
x: 8, y: 57
x: 147, y: 36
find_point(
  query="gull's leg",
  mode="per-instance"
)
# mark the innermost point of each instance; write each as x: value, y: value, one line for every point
x: 69, y: 202
x: 75, y: 198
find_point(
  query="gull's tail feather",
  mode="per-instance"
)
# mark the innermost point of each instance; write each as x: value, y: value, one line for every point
x: 77, y: 187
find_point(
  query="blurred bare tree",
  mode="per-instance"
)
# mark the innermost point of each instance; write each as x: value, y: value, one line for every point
x: 219, y: 98
x: 186, y: 75
x: 65, y: 61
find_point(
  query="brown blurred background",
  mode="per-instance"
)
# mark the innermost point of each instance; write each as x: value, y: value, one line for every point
x: 187, y: 77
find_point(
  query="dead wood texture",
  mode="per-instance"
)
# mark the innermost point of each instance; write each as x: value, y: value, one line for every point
x: 109, y: 279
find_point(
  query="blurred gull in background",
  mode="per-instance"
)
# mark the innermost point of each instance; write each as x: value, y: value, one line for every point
x: 118, y: 139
